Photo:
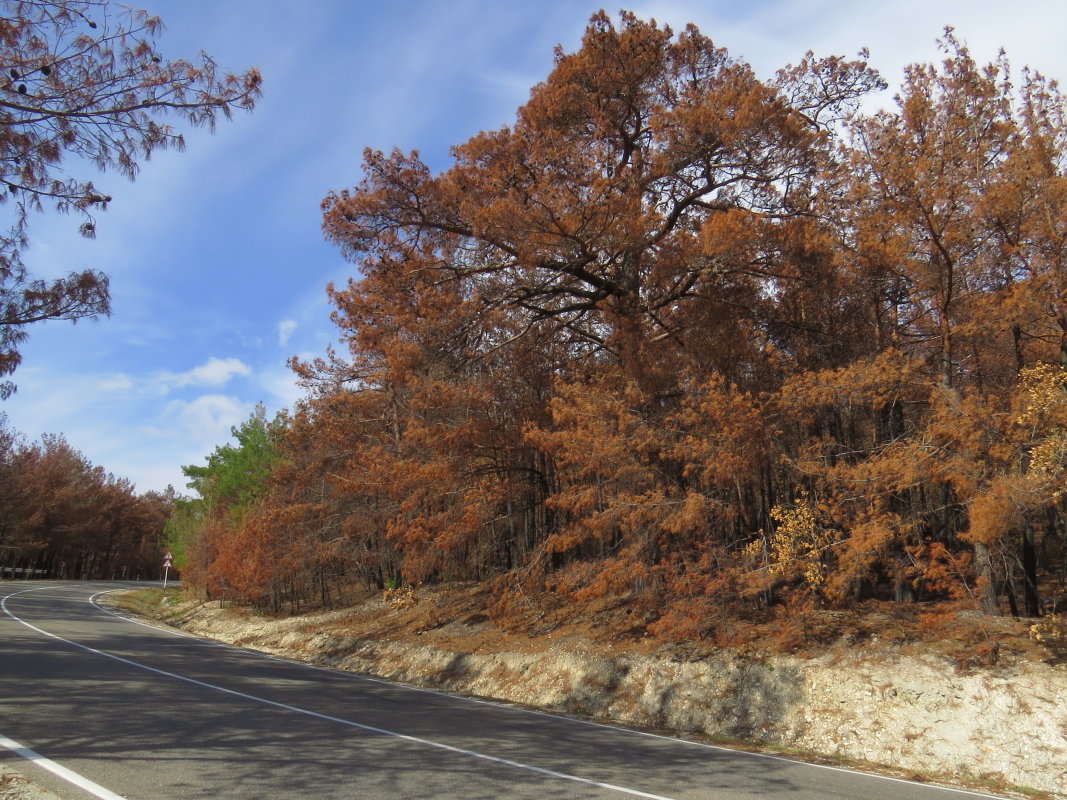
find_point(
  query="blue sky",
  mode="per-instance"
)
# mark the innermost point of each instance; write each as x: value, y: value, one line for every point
x: 216, y: 257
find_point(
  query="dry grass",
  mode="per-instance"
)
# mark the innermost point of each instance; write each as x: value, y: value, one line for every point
x: 458, y: 617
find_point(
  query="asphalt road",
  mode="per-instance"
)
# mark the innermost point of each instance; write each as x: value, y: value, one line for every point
x: 138, y: 712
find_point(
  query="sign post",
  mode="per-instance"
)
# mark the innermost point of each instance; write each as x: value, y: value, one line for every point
x: 167, y: 559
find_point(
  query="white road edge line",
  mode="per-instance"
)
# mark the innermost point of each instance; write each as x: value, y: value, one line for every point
x: 535, y: 712
x: 69, y: 775
x: 286, y: 707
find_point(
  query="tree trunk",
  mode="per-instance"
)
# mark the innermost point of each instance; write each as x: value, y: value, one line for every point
x: 987, y: 585
x: 1032, y: 600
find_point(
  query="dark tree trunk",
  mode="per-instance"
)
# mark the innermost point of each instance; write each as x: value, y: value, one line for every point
x: 987, y: 585
x: 1032, y: 600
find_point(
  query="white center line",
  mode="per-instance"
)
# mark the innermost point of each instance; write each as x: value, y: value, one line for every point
x: 349, y: 723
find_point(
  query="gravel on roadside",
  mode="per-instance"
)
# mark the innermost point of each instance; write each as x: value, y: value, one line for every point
x: 16, y: 786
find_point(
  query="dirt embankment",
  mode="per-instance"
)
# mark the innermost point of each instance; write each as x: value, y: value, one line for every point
x: 999, y: 726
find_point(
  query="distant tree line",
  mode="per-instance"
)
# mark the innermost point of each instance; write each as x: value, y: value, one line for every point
x: 692, y: 339
x: 62, y: 517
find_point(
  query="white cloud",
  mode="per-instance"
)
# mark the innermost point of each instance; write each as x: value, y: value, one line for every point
x: 215, y: 372
x: 898, y: 32
x: 280, y: 387
x: 115, y: 383
x: 206, y: 420
x: 285, y: 330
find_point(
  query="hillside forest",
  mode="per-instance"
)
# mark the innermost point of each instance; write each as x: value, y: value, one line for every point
x: 697, y: 341
x: 685, y: 337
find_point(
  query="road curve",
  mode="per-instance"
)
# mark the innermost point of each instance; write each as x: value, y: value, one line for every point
x: 133, y: 711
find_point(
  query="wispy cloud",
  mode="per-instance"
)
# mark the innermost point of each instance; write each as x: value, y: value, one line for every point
x: 208, y: 418
x: 285, y: 330
x: 115, y: 383
x: 215, y: 372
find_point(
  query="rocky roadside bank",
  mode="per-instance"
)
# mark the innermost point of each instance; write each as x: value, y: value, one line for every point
x: 1004, y: 728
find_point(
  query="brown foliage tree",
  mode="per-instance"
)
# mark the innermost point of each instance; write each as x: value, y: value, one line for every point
x: 84, y: 81
x: 600, y: 216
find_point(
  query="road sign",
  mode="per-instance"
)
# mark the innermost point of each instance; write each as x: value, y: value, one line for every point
x: 167, y: 559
